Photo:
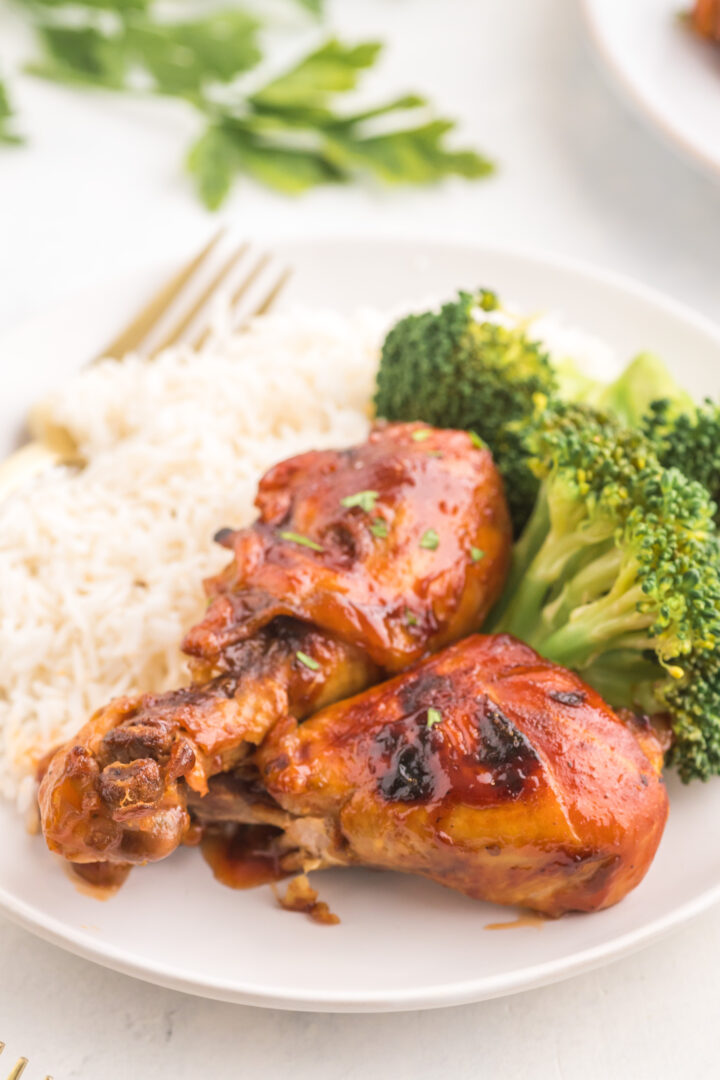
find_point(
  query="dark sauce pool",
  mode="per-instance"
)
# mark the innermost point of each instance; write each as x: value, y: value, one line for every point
x: 243, y: 857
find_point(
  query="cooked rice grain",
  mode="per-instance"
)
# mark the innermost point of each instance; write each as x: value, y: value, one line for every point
x: 101, y: 570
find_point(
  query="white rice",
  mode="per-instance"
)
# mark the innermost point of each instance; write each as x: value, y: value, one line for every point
x: 101, y: 570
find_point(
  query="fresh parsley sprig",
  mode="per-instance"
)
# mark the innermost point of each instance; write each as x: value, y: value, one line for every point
x: 138, y: 52
x: 8, y: 135
x: 434, y: 716
x: 307, y: 661
x: 430, y: 540
x: 364, y: 500
x: 303, y: 541
x: 290, y: 134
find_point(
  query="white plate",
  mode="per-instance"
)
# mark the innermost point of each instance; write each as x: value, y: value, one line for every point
x: 672, y: 75
x: 403, y: 943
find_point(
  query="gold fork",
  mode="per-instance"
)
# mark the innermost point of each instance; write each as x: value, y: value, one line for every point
x: 19, y: 1067
x: 180, y: 312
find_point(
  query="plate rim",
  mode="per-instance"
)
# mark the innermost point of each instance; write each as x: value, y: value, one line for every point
x: 619, y: 280
x: 446, y: 994
x: 644, y: 105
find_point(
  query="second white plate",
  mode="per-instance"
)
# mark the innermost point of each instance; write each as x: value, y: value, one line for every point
x: 672, y: 76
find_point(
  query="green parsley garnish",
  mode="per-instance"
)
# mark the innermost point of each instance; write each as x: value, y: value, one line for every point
x: 7, y: 135
x: 434, y: 716
x: 410, y: 617
x: 476, y: 554
x: 307, y: 661
x: 477, y: 442
x: 429, y: 540
x: 297, y: 538
x: 379, y: 528
x: 364, y: 499
x: 421, y: 435
x: 290, y: 133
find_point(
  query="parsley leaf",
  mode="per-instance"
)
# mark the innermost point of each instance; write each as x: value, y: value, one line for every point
x: 304, y: 541
x: 183, y: 57
x: 331, y: 69
x: 178, y: 58
x: 81, y: 54
x: 476, y: 554
x: 429, y: 540
x: 315, y: 6
x: 307, y: 661
x: 364, y: 499
x: 227, y: 149
x: 289, y: 135
x: 421, y: 434
x: 99, y: 5
x: 286, y: 169
x: 7, y: 136
x: 416, y: 155
x: 213, y: 162
x: 434, y: 716
x: 379, y: 528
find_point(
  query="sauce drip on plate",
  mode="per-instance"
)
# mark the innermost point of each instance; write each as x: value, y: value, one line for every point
x: 244, y: 857
x: 98, y: 880
x: 530, y: 918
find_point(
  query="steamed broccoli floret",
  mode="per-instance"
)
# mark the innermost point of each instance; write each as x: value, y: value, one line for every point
x: 574, y: 384
x: 628, y: 398
x: 616, y: 576
x: 455, y: 368
x: 693, y: 702
x: 645, y: 380
x: 470, y: 366
x: 689, y: 440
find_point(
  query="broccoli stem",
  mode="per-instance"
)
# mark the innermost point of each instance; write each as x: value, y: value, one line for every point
x: 610, y: 622
x: 565, y: 541
x: 626, y: 678
x: 522, y: 619
x: 591, y: 580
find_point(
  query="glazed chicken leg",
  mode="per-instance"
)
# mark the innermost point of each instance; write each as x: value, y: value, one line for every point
x: 485, y: 768
x: 361, y: 562
x: 705, y: 18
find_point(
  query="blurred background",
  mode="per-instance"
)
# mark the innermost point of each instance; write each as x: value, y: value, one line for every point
x: 100, y: 182
x: 100, y: 185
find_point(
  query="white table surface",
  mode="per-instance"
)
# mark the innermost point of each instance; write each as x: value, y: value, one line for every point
x: 98, y: 190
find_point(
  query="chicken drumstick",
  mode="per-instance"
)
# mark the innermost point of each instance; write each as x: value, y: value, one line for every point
x: 361, y: 562
x: 705, y: 18
x: 486, y: 768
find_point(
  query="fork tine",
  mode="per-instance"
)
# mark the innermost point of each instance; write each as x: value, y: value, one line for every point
x: 19, y: 1067
x: 137, y: 331
x: 189, y: 315
x: 246, y: 308
x: 273, y: 294
x: 240, y: 291
x: 168, y: 307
